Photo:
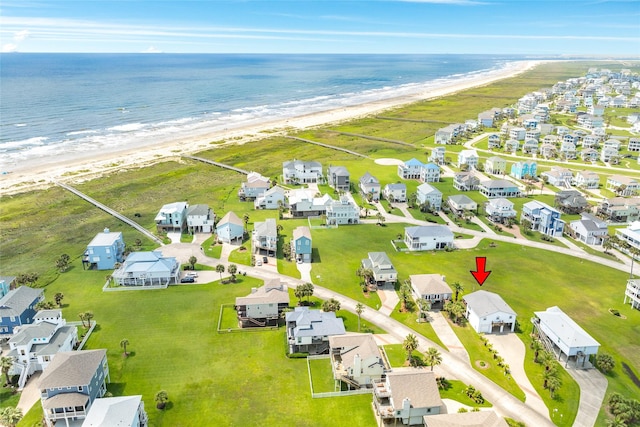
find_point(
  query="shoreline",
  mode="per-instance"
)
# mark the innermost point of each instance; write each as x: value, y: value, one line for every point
x: 78, y: 168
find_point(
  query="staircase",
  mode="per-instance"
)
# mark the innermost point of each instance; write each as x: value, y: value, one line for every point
x: 349, y: 381
x: 24, y: 375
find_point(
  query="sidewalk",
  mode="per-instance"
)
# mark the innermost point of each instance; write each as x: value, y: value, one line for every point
x: 447, y: 336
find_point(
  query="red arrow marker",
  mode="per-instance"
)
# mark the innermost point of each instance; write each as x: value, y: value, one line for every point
x: 481, y: 275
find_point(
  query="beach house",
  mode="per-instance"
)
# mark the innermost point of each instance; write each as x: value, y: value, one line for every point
x: 273, y: 198
x: 468, y: 158
x: 632, y: 293
x: 104, y: 251
x: 147, y: 269
x: 465, y: 181
x: 520, y: 170
x: 17, y: 308
x: 411, y: 169
x: 438, y: 155
x: 395, y: 192
x: 498, y: 188
x: 200, y: 219
x: 428, y: 195
x: 302, y: 172
x: 488, y: 313
x: 120, y: 411
x: 254, y: 186
x: 308, y: 331
x: 558, y: 176
x: 430, y: 173
x: 343, y: 211
x: 622, y: 185
x: 383, y: 270
x: 430, y: 287
x: 586, y: 179
x: 543, y: 218
x: 230, y: 228
x: 172, y: 217
x: 356, y: 360
x: 338, y: 178
x: 264, y: 305
x: 589, y: 229
x: 428, y: 237
x: 265, y: 237
x: 460, y: 204
x: 301, y: 249
x: 495, y: 165
x: 370, y: 187
x: 500, y: 210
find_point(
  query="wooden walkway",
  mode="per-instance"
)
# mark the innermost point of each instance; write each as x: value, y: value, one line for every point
x: 221, y: 165
x: 333, y: 147
x: 111, y: 212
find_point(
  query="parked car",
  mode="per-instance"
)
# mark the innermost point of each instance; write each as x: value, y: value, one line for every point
x: 188, y: 279
x: 259, y: 262
x: 265, y: 259
x: 191, y: 274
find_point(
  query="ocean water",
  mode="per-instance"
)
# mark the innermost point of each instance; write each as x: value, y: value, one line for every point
x: 52, y: 104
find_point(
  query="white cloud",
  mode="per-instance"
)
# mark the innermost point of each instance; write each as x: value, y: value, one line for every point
x: 21, y: 35
x: 9, y: 47
x: 152, y: 49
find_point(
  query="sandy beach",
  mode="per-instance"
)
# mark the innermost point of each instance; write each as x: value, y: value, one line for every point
x: 75, y: 168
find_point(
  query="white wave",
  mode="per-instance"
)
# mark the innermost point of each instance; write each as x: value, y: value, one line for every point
x: 127, y: 128
x: 25, y: 143
x: 20, y: 125
x: 81, y: 132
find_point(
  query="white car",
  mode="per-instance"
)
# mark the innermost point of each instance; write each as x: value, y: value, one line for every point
x: 192, y: 274
x: 259, y: 262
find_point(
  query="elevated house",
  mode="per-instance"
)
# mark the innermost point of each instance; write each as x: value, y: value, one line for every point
x: 609, y: 155
x: 230, y: 228
x: 495, y: 165
x: 121, y: 411
x: 558, y: 176
x: 427, y: 194
x: 498, y: 188
x: 562, y: 336
x: 303, y: 203
x: 370, y: 187
x: 406, y: 395
x: 17, y: 308
x: 430, y: 173
x: 395, y: 192
x: 264, y: 305
x: 254, y: 186
x: 430, y: 287
x: 460, y: 204
x: 494, y: 141
x: 273, y: 198
x: 620, y: 209
x: 71, y: 383
x: 35, y: 345
x: 448, y: 134
x: 265, y: 237
x: 308, y: 331
x: 428, y: 237
x: 543, y: 218
x: 383, y: 270
x: 338, y: 177
x: 469, y: 158
x: 571, y: 202
x: 521, y: 170
x: 302, y: 172
x: 343, y: 211
x: 632, y: 293
x: 438, y: 155
x: 623, y: 185
x: 6, y: 283
x: 172, y: 217
x: 465, y: 181
x: 586, y: 179
x: 200, y: 219
x: 356, y: 360
x: 147, y: 269
x: 411, y: 169
x: 488, y: 313
x: 630, y: 234
x: 104, y: 251
x: 511, y: 145
x: 589, y: 155
x: 486, y: 418
x: 589, y: 229
x: 500, y: 210
x: 301, y: 249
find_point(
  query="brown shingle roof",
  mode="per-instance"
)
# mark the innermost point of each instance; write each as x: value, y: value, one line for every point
x: 72, y: 369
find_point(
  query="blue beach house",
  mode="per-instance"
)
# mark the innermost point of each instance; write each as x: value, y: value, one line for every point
x: 230, y: 229
x: 17, y: 308
x: 521, y: 169
x: 301, y: 244
x: 104, y: 251
x: 411, y: 169
x: 172, y: 217
x: 543, y: 218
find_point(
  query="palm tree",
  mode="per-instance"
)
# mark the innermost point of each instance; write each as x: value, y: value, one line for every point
x: 161, y: 399
x: 424, y: 305
x: 380, y: 218
x: 359, y: 311
x: 537, y: 347
x: 457, y: 287
x: 232, y: 269
x: 88, y: 316
x: 245, y: 219
x: 409, y: 345
x: 547, y: 375
x: 618, y: 421
x: 607, y: 244
x: 308, y: 290
x: 605, y: 362
x: 192, y: 262
x: 123, y: 343
x: 220, y: 269
x: 299, y: 293
x: 546, y: 359
x: 433, y: 357
x: 405, y: 295
x: 10, y: 416
x: 6, y: 363
x: 553, y: 384
x: 58, y: 298
x: 331, y: 305
x: 83, y: 317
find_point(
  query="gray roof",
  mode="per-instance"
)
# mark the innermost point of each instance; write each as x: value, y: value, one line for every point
x: 461, y: 199
x: 565, y: 328
x: 72, y: 369
x: 29, y: 332
x: 466, y: 419
x: 65, y: 400
x: 272, y: 292
x: 230, y: 217
x: 7, y: 279
x: 429, y: 284
x: 418, y: 385
x: 396, y: 186
x: 498, y: 183
x: 428, y: 231
x: 44, y: 314
x: 105, y: 238
x: 351, y: 345
x: 428, y: 189
x: 369, y: 179
x: 266, y: 228
x: 315, y: 323
x: 113, y: 411
x: 301, y: 231
x: 16, y: 301
x: 485, y: 303
x: 338, y: 170
x: 54, y: 344
x: 198, y: 210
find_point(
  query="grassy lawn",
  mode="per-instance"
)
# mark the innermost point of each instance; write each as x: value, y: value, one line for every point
x: 174, y: 346
x: 322, y: 375
x: 483, y: 361
x: 397, y: 356
x: 455, y: 391
x: 409, y: 319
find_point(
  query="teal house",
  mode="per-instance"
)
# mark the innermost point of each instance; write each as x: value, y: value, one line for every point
x: 104, y: 251
x: 521, y: 169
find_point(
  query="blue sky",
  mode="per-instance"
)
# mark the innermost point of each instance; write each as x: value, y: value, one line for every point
x: 598, y: 27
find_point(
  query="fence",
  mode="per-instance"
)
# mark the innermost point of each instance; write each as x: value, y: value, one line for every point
x: 330, y: 393
x: 221, y: 329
